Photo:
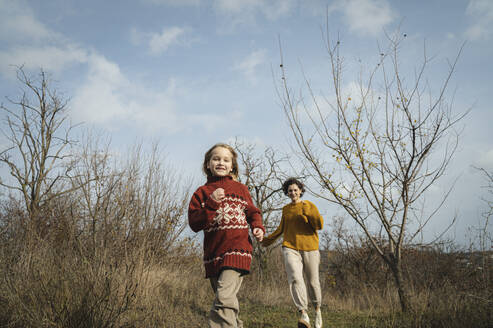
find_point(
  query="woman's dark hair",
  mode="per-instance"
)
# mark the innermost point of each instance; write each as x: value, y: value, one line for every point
x: 292, y: 181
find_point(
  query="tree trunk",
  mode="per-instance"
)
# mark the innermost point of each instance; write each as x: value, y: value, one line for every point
x: 401, y: 286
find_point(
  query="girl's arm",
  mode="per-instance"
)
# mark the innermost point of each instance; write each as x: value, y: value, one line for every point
x: 312, y: 214
x: 201, y: 211
x: 254, y: 218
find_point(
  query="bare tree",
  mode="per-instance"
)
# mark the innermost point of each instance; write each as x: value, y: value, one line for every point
x: 377, y: 149
x: 484, y: 237
x: 140, y: 200
x: 263, y: 176
x: 38, y: 137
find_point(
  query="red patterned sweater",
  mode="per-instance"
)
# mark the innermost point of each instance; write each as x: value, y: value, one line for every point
x: 225, y: 225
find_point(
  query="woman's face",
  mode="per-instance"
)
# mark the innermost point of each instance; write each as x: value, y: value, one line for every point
x: 294, y: 193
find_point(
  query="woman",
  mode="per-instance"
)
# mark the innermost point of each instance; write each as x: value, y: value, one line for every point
x: 299, y: 224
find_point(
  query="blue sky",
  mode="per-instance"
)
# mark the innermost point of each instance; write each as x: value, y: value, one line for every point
x: 190, y: 73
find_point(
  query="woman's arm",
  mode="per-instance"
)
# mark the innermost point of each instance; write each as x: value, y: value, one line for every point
x: 311, y: 212
x: 269, y: 240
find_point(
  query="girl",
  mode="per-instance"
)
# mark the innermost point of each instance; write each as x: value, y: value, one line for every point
x: 224, y: 210
x: 299, y: 224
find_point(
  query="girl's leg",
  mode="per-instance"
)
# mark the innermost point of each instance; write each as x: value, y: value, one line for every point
x: 294, y: 269
x: 311, y: 264
x: 225, y: 309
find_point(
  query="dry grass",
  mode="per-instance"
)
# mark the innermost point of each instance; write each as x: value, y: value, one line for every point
x: 45, y: 286
x: 71, y: 278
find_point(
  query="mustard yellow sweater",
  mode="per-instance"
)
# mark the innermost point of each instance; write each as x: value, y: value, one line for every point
x: 299, y: 225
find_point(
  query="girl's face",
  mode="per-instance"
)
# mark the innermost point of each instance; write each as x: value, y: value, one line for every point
x: 221, y: 162
x: 294, y: 192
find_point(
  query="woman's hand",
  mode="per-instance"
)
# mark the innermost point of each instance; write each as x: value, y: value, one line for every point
x: 218, y: 195
x: 304, y: 207
x: 304, y: 210
x: 259, y: 234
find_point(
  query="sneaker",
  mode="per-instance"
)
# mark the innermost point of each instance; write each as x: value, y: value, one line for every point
x: 304, y: 321
x: 318, y: 319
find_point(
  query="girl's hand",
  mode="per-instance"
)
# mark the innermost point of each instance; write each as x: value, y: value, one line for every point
x: 218, y: 195
x: 259, y: 234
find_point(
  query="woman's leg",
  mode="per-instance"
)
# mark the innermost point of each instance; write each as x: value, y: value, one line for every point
x: 225, y: 309
x: 294, y: 269
x: 311, y: 264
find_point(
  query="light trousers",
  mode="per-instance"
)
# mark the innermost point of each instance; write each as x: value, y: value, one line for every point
x: 299, y: 264
x: 225, y: 309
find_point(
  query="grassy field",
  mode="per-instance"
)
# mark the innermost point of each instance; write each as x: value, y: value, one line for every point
x: 83, y: 287
x: 68, y: 280
x: 257, y: 316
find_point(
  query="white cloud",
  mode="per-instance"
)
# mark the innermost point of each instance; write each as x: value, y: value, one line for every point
x: 31, y: 44
x: 249, y: 64
x: 177, y: 3
x: 22, y: 26
x: 245, y: 11
x: 486, y: 160
x: 109, y: 99
x: 451, y: 36
x: 159, y: 43
x: 106, y: 96
x: 365, y: 17
x: 51, y: 58
x: 17, y: 22
x: 212, y: 122
x: 136, y: 37
x: 98, y: 100
x: 481, y: 12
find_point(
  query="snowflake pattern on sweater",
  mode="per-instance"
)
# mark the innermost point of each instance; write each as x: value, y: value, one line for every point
x: 225, y: 224
x: 231, y: 215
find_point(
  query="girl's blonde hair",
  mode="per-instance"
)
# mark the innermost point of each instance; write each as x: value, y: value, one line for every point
x: 234, y: 160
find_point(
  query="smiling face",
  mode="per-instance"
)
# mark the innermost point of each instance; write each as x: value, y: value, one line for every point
x: 294, y: 192
x: 221, y: 162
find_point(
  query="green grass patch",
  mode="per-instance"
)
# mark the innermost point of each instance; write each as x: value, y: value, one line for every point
x: 256, y: 315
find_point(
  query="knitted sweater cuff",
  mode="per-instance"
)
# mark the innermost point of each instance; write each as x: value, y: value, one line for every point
x: 211, y: 203
x: 257, y: 223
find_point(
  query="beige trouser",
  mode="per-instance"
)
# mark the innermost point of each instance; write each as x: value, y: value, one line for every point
x: 225, y: 309
x: 299, y: 263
